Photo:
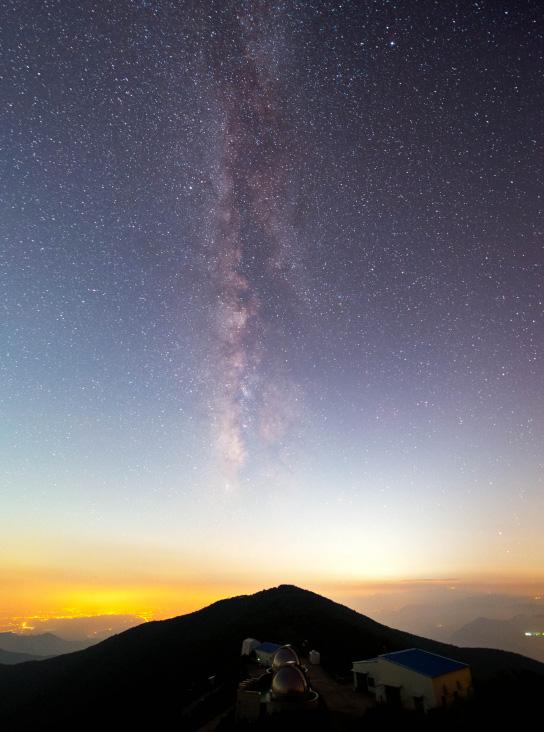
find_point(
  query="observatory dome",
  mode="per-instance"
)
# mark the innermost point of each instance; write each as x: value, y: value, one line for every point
x: 289, y: 682
x: 284, y: 655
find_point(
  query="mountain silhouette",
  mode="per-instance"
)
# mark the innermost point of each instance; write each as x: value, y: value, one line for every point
x: 42, y: 644
x: 11, y: 657
x: 509, y: 634
x: 151, y: 674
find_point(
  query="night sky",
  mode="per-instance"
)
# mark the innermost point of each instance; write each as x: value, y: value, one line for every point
x: 272, y: 284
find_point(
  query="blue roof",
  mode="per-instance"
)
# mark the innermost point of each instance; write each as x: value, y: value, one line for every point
x: 267, y: 647
x: 423, y: 662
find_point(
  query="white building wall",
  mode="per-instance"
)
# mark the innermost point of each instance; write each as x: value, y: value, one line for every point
x: 410, y: 682
x: 314, y: 657
x: 248, y: 645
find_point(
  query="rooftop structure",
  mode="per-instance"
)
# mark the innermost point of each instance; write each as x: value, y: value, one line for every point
x: 423, y: 662
x: 414, y: 679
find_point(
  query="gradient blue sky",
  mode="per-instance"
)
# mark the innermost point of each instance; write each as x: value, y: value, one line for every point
x: 273, y: 301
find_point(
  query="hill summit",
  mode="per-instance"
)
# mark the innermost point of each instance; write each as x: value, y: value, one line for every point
x: 154, y: 672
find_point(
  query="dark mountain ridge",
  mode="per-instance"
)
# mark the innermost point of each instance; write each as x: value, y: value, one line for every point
x: 150, y: 673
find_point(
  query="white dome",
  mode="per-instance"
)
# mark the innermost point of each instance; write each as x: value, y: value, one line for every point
x: 289, y: 682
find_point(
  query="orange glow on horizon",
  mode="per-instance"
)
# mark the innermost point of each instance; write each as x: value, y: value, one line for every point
x: 47, y: 601
x: 148, y: 603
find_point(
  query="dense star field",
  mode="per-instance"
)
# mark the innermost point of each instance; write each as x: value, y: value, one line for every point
x: 272, y: 287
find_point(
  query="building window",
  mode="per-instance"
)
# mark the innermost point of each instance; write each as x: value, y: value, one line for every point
x: 370, y: 682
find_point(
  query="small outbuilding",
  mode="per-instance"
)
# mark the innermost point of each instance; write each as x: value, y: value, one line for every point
x: 413, y: 679
x: 249, y: 645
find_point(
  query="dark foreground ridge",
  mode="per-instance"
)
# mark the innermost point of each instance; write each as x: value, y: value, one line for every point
x: 156, y: 673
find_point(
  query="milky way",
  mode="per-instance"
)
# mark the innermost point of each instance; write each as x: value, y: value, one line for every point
x: 253, y: 245
x: 294, y: 247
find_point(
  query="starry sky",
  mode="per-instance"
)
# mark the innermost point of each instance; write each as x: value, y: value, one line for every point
x: 272, y: 283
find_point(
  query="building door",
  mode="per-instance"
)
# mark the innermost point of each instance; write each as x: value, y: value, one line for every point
x: 418, y: 704
x: 359, y: 681
x: 392, y: 695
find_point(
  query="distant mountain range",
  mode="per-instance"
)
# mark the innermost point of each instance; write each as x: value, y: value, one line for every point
x: 507, y: 634
x: 44, y: 644
x: 91, y: 629
x: 152, y: 674
x: 9, y: 657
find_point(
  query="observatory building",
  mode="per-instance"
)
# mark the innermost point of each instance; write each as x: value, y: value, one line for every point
x: 282, y: 688
x: 413, y: 679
